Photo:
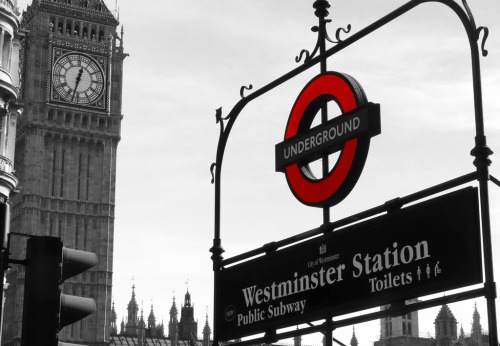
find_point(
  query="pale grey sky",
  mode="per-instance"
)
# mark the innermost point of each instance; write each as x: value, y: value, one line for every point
x: 188, y: 58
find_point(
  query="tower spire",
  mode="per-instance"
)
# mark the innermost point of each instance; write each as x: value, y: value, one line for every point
x: 477, y: 330
x: 354, y: 340
x: 151, y: 320
x: 133, y: 309
x: 206, y: 331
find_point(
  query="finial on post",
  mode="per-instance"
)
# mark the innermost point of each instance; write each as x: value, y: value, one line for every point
x: 321, y: 7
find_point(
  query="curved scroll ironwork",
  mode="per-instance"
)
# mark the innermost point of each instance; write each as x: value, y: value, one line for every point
x: 220, y: 119
x: 477, y: 31
x: 322, y: 36
x: 212, y: 167
x: 321, y: 7
x: 337, y: 33
x: 243, y: 88
x: 485, y: 37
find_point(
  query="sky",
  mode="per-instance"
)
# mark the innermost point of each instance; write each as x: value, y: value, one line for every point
x: 188, y: 58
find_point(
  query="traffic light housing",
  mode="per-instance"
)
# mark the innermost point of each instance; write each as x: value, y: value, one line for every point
x: 46, y: 310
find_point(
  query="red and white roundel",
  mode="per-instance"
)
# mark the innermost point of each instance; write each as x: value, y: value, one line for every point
x: 338, y: 183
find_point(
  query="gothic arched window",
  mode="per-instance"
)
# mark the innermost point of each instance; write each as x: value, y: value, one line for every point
x: 76, y: 29
x: 68, y: 27
x: 85, y: 31
x: 60, y: 26
x: 52, y: 24
x: 76, y: 120
x: 51, y: 115
x: 67, y: 118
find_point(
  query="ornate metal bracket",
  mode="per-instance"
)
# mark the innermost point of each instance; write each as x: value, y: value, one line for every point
x: 243, y: 88
x: 477, y: 31
x: 220, y: 119
x: 321, y: 12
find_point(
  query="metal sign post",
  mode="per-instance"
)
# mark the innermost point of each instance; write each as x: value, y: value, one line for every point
x: 481, y: 152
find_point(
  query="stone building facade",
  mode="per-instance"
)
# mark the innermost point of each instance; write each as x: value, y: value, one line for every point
x: 11, y: 35
x: 71, y: 69
x: 181, y: 332
x: 403, y: 331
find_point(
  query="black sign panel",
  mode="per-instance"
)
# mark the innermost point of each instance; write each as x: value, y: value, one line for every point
x: 329, y: 137
x: 423, y: 249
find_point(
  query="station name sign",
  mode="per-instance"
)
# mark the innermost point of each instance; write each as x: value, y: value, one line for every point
x: 329, y: 137
x: 423, y: 249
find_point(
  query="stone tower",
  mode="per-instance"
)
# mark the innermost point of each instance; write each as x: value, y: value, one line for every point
x: 141, y: 331
x: 354, y: 339
x: 173, y: 323
x: 476, y: 336
x: 207, y: 331
x: 71, y: 84
x: 131, y: 328
x: 151, y: 319
x: 446, y: 327
x: 114, y: 328
x: 188, y: 327
x: 406, y: 325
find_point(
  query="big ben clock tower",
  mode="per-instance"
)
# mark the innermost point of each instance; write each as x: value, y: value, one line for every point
x: 71, y: 84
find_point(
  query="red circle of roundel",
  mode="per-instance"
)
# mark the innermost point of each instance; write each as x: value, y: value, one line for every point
x: 334, y: 187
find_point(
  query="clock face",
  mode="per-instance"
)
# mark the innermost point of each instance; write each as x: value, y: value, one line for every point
x: 77, y: 78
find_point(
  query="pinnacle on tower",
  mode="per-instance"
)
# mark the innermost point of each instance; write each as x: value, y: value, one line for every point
x: 354, y: 340
x: 113, y: 313
x: 151, y: 319
x: 206, y: 331
x: 477, y: 329
x: 446, y: 327
x: 187, y: 299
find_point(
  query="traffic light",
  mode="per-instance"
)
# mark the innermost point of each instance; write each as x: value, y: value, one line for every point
x: 45, y: 309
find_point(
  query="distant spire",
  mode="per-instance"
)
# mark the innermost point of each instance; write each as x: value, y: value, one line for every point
x: 113, y: 313
x: 187, y: 298
x: 173, y: 323
x: 354, y: 340
x: 122, y: 326
x: 477, y: 329
x: 151, y: 319
x: 132, y: 310
x: 206, y: 331
x: 141, y: 320
x: 140, y: 336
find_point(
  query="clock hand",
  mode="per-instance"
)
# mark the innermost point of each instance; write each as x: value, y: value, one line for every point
x: 78, y: 78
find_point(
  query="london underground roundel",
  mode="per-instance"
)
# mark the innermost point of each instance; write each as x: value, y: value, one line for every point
x: 348, y: 133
